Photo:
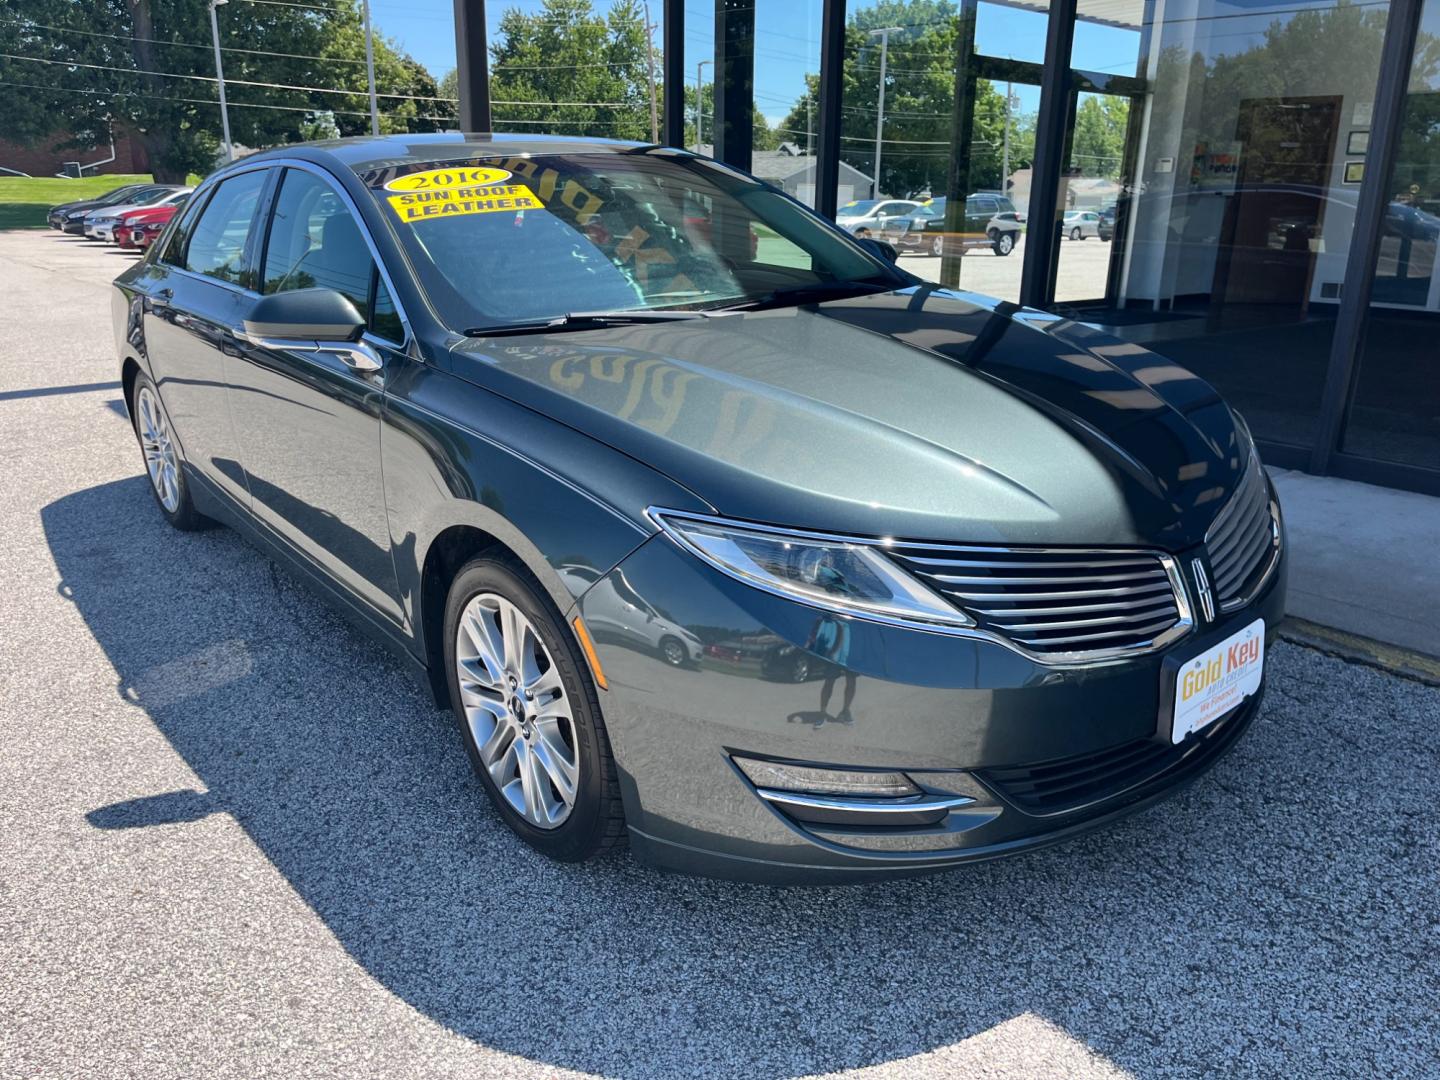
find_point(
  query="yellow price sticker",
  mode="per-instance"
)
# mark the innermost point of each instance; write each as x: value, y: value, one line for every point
x: 442, y: 179
x: 446, y: 202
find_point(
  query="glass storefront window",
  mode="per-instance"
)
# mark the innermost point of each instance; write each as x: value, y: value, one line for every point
x: 1236, y: 224
x: 1395, y: 412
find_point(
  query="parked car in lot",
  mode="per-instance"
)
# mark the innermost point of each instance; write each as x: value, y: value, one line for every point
x: 485, y: 393
x: 100, y: 224
x: 867, y: 217
x: 1080, y: 224
x: 72, y: 221
x: 1105, y: 227
x: 990, y: 222
x: 140, y: 229
x: 57, y: 215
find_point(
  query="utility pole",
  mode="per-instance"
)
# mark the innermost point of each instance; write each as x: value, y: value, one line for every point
x: 700, y: 103
x: 1005, y: 154
x: 220, y: 80
x: 370, y: 69
x: 884, y: 32
x: 650, y: 56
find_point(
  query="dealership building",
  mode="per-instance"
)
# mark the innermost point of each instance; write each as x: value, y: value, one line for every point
x: 1276, y: 170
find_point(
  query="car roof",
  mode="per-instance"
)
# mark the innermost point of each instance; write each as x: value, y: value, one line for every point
x: 386, y: 151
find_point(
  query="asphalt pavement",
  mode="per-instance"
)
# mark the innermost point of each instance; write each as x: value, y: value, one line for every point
x: 235, y: 841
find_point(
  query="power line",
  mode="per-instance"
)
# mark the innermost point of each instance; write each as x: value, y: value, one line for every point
x: 189, y: 44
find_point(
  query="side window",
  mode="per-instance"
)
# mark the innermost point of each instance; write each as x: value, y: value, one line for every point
x: 384, y: 319
x: 216, y: 246
x: 315, y: 243
x: 174, y: 252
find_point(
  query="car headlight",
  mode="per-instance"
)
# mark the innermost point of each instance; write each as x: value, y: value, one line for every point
x: 132, y: 221
x: 850, y: 576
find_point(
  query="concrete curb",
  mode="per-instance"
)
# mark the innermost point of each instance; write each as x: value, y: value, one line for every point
x: 1406, y: 663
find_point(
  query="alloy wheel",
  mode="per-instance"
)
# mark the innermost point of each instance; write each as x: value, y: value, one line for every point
x: 517, y: 709
x: 159, y: 448
x: 937, y: 246
x: 674, y: 652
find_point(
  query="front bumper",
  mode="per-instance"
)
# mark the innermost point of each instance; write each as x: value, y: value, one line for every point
x: 100, y: 230
x: 961, y: 717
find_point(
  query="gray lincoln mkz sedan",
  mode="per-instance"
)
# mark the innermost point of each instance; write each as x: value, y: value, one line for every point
x: 719, y: 532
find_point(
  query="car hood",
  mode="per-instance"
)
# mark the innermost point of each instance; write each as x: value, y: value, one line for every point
x: 921, y: 413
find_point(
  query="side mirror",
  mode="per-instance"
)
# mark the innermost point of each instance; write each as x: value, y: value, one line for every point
x: 882, y: 248
x: 308, y: 315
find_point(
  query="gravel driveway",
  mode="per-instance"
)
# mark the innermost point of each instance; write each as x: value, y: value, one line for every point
x: 235, y: 842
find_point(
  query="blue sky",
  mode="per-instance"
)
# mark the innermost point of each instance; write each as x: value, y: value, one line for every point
x: 786, y: 40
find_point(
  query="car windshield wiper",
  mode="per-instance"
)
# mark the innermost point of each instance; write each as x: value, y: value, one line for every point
x: 581, y: 320
x: 811, y: 293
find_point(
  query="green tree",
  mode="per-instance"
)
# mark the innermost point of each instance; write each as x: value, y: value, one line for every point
x: 97, y: 68
x: 1097, y: 147
x: 919, y: 123
x: 566, y: 70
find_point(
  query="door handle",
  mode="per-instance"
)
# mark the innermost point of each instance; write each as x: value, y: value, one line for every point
x: 160, y: 300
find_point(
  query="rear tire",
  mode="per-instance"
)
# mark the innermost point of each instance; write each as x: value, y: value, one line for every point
x: 1076, y: 234
x: 164, y: 463
x: 566, y: 730
x: 1003, y: 244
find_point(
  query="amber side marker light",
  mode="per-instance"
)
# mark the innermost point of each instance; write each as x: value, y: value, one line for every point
x: 589, y: 646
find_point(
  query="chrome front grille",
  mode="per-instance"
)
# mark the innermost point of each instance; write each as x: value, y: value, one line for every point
x: 1243, y: 540
x: 1052, y: 601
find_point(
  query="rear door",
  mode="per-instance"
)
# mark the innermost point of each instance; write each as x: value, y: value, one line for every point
x: 195, y: 300
x: 309, y: 422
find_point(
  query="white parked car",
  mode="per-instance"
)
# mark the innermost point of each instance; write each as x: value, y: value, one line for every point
x: 865, y: 216
x: 1080, y: 224
x: 101, y: 224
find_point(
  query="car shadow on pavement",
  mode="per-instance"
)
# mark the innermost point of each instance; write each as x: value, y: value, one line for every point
x: 1237, y: 922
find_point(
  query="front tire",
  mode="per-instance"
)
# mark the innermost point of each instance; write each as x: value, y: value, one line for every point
x: 529, y: 714
x: 1075, y: 234
x: 937, y: 246
x: 1004, y: 243
x: 673, y: 652
x: 164, y: 463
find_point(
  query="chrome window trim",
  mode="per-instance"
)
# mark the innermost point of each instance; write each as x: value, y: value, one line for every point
x: 1080, y: 658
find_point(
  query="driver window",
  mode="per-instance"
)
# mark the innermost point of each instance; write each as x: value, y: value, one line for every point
x: 315, y: 243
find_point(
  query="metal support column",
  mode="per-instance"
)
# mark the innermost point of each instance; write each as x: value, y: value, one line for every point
x: 734, y: 81
x: 957, y: 181
x: 1396, y: 56
x: 472, y: 65
x: 673, y: 95
x: 832, y: 85
x: 1042, y: 233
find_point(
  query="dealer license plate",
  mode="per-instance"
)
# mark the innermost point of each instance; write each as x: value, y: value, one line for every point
x: 1209, y: 685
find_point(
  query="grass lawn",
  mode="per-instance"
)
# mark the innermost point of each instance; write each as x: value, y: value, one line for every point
x: 24, y: 200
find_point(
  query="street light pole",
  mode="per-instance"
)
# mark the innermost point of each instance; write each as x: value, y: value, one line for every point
x: 1005, y: 158
x: 370, y: 69
x: 884, y: 33
x: 700, y: 103
x: 220, y: 80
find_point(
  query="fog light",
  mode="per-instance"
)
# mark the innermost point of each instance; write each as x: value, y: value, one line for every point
x: 783, y: 776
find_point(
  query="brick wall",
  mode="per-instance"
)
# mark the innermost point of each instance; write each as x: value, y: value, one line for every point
x: 44, y: 159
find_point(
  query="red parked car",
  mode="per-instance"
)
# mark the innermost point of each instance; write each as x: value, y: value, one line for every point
x: 137, y: 230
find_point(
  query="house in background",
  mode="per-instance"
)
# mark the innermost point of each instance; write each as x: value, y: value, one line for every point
x: 793, y: 170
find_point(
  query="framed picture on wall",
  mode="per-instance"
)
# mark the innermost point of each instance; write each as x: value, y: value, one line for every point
x: 1357, y: 143
x: 1354, y: 172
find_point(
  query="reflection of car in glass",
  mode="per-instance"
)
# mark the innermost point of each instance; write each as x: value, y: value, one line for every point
x: 622, y: 616
x: 1080, y: 224
x: 142, y: 228
x: 100, y: 224
x: 1106, y: 225
x: 866, y: 217
x: 769, y: 654
x: 495, y: 400
x: 990, y: 222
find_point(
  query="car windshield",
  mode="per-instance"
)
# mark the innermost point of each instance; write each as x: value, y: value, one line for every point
x: 119, y: 195
x: 499, y: 241
x: 858, y: 209
x: 143, y: 196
